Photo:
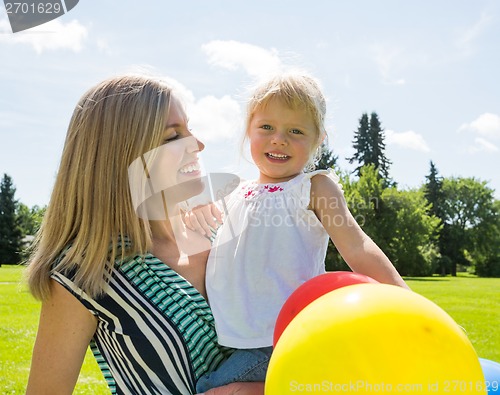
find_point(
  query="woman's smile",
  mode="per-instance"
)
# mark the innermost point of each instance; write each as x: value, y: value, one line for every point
x: 191, y: 169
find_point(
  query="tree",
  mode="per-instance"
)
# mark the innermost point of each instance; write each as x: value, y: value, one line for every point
x: 30, y: 219
x: 397, y: 221
x: 327, y: 159
x: 361, y: 144
x: 369, y: 146
x: 411, y: 231
x: 10, y: 232
x: 433, y: 191
x: 470, y: 222
x: 487, y: 242
x: 377, y: 143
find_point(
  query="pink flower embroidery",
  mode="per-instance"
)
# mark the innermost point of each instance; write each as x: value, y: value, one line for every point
x: 274, y: 188
x: 250, y: 192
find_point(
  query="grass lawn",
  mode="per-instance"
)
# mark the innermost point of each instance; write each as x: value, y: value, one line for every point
x: 18, y: 324
x: 473, y: 302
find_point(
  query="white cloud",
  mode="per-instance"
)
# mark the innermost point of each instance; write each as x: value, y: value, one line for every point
x: 409, y: 139
x: 53, y: 35
x: 388, y: 60
x: 487, y: 125
x: 482, y: 145
x: 466, y: 38
x: 103, y: 46
x: 322, y: 45
x: 212, y: 118
x: 231, y: 55
x: 5, y: 27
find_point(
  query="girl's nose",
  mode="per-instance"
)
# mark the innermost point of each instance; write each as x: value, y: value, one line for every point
x: 279, y: 139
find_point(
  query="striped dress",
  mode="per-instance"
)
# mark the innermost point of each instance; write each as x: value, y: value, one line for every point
x: 155, y: 331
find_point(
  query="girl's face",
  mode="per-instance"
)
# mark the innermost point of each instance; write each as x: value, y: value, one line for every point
x: 171, y: 172
x: 281, y: 141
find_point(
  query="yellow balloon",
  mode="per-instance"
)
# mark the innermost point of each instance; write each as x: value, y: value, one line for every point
x: 372, y: 339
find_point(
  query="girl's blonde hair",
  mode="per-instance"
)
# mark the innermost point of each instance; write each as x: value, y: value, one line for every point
x: 90, y: 215
x: 298, y: 91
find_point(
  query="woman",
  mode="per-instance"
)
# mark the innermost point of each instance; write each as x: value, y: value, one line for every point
x: 113, y: 264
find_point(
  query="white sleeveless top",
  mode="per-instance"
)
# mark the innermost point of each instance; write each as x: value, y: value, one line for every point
x: 270, y: 243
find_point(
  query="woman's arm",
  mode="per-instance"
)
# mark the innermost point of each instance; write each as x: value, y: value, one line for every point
x: 64, y: 332
x: 358, y: 250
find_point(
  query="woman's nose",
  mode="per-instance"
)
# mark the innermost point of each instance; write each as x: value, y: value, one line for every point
x: 201, y: 146
x: 195, y: 145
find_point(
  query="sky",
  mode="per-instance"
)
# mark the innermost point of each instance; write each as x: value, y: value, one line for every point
x: 429, y: 68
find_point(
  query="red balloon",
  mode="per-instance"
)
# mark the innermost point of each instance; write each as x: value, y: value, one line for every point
x: 310, y: 291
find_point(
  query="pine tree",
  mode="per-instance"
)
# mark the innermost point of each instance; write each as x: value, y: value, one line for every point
x: 369, y: 146
x: 327, y: 160
x: 377, y: 145
x: 361, y: 144
x: 10, y: 232
x: 433, y: 189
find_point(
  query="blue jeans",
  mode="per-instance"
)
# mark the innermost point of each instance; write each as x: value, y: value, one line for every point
x: 243, y: 365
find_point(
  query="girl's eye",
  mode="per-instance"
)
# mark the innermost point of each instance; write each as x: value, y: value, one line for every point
x: 296, y: 131
x: 266, y: 127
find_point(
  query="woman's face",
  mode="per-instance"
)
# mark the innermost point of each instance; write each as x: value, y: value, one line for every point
x: 171, y: 172
x: 176, y: 160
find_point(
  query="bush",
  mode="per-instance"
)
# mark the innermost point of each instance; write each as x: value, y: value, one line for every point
x: 489, y: 267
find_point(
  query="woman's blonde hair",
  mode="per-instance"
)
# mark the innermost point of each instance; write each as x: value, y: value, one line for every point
x: 90, y: 215
x: 298, y: 91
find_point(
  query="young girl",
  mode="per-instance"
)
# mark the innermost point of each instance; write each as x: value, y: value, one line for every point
x: 276, y: 230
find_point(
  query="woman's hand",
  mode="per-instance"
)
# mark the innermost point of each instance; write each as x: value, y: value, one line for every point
x: 254, y: 388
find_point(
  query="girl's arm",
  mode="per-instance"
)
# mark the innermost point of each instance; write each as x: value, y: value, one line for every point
x: 64, y: 333
x: 358, y: 250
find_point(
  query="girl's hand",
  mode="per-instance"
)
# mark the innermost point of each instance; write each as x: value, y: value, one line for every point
x: 254, y: 388
x: 204, y: 220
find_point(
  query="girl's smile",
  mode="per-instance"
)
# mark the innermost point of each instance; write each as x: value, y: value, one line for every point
x: 277, y: 157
